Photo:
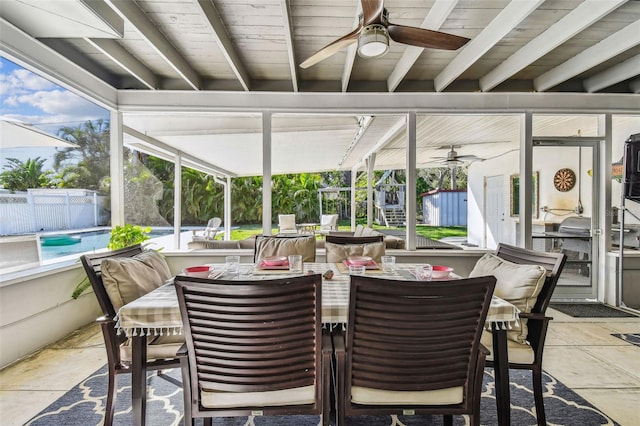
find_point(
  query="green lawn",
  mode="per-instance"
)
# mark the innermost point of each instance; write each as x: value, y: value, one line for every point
x: 433, y: 232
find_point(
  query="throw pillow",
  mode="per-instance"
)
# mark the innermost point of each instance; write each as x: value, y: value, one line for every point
x: 128, y: 278
x: 336, y: 253
x: 517, y: 284
x: 274, y: 246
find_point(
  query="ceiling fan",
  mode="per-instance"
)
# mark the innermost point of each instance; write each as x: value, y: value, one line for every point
x: 454, y: 160
x: 373, y: 33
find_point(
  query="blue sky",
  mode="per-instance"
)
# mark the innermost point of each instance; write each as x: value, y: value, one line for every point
x: 31, y: 99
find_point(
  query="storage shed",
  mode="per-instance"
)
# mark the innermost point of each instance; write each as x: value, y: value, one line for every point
x: 444, y: 207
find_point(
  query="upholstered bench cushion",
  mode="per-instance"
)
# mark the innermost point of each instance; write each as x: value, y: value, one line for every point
x: 336, y: 253
x: 369, y: 396
x: 128, y: 278
x: 517, y: 284
x: 295, y: 396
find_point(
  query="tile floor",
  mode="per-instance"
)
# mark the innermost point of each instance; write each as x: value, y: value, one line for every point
x: 580, y: 352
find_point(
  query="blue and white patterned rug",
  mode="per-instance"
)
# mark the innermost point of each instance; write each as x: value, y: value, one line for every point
x: 84, y: 405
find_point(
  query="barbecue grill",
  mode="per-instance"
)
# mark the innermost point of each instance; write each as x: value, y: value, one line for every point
x: 573, y: 237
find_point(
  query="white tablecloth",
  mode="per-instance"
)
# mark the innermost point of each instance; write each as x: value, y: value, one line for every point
x: 157, y: 313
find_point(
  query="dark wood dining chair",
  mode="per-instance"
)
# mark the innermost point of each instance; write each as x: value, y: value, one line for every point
x: 412, y: 348
x: 529, y: 356
x: 344, y: 239
x: 254, y: 348
x: 116, y: 357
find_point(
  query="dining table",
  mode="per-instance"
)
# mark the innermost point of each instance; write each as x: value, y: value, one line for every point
x: 157, y: 313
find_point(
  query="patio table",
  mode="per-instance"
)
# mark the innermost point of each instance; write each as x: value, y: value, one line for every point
x: 157, y: 313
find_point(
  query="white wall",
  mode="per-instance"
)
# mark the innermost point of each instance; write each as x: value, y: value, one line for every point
x: 546, y: 162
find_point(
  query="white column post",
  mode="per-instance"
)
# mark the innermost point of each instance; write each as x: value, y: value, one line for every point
x: 227, y: 209
x: 177, y: 199
x: 371, y: 161
x: 354, y: 177
x: 608, y: 291
x: 411, y: 181
x: 116, y: 164
x: 526, y: 184
x: 266, y: 172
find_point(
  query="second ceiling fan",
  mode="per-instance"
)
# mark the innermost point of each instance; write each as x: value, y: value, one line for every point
x: 374, y: 31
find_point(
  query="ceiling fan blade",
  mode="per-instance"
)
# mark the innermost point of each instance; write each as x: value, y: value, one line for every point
x: 372, y: 11
x: 332, y: 48
x: 425, y: 38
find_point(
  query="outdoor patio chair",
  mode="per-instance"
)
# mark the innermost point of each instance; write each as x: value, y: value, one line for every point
x: 412, y: 348
x: 328, y: 223
x: 526, y: 353
x: 138, y: 273
x: 210, y: 232
x: 275, y: 246
x: 254, y: 348
x: 287, y: 224
x: 346, y: 239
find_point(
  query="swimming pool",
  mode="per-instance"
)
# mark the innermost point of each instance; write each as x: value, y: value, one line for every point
x: 89, y: 242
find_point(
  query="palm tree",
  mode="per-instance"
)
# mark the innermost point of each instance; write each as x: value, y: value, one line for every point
x: 87, y: 164
x: 20, y: 176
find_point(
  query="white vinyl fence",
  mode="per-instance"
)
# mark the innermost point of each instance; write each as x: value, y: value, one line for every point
x: 48, y: 210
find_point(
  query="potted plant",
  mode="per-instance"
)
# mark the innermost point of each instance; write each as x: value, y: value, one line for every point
x: 121, y: 236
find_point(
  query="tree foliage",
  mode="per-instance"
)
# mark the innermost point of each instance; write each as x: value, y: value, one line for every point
x: 87, y: 164
x: 22, y: 175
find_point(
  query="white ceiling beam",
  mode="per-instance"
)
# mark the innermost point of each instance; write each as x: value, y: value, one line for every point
x: 33, y: 55
x: 501, y: 25
x: 160, y: 146
x: 394, y: 130
x: 351, y: 53
x: 288, y: 36
x: 623, y: 71
x: 571, y: 24
x: 224, y: 42
x: 125, y: 60
x: 438, y: 13
x: 188, y: 102
x: 635, y: 86
x: 147, y: 29
x: 606, y: 49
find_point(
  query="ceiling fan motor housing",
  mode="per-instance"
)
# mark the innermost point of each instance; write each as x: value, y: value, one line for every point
x: 373, y: 41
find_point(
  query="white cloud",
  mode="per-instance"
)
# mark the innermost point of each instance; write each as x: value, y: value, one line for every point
x: 22, y: 81
x: 32, y: 99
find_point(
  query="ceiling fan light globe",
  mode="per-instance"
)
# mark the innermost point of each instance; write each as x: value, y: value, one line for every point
x: 373, y: 41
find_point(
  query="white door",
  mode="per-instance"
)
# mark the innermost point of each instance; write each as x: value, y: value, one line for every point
x: 494, y: 210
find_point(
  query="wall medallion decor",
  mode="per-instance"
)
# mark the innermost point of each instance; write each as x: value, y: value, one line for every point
x: 564, y: 180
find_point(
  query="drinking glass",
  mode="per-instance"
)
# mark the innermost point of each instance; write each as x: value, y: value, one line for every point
x: 295, y: 263
x: 388, y: 263
x: 232, y: 263
x: 424, y: 272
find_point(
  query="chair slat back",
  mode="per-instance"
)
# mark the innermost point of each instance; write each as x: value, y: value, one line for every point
x: 252, y: 336
x: 552, y: 262
x: 93, y: 267
x: 408, y: 336
x: 340, y: 239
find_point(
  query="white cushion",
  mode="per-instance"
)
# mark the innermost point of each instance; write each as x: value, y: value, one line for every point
x: 287, y: 223
x: 158, y: 347
x: 517, y: 284
x: 519, y: 353
x: 369, y: 396
x: 304, y: 246
x: 295, y: 396
x: 336, y: 253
